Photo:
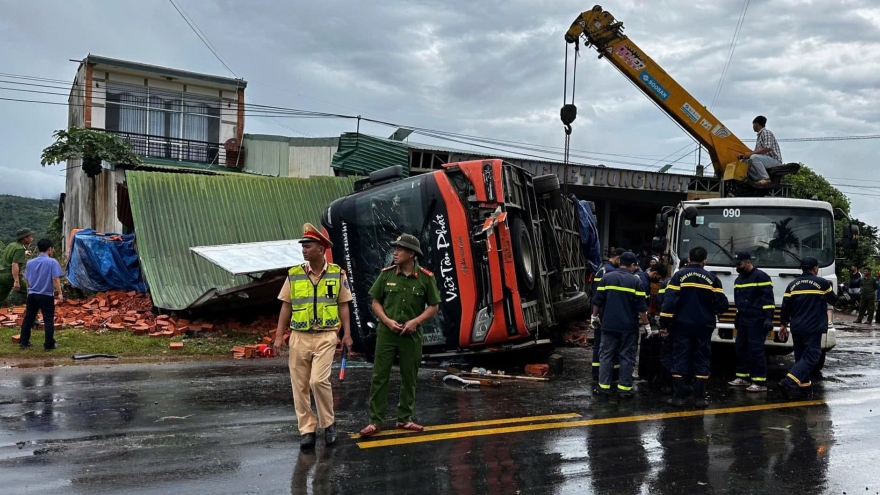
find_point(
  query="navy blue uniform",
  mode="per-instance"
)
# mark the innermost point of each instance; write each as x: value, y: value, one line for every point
x: 753, y: 296
x: 645, y: 281
x: 805, y: 312
x: 666, y: 347
x: 691, y: 302
x: 620, y: 299
x: 608, y: 267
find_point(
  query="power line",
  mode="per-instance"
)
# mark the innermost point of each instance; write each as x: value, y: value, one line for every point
x: 730, y: 51
x: 203, y: 38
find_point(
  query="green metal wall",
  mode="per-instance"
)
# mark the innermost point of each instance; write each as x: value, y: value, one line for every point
x: 173, y: 212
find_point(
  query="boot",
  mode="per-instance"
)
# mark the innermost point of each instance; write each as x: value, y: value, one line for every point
x: 678, y: 386
x: 700, y: 401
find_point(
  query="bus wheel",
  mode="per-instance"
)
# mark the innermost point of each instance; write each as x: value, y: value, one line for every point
x: 524, y: 254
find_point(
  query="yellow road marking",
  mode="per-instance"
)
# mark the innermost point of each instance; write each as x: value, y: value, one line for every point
x: 577, y: 424
x: 490, y: 422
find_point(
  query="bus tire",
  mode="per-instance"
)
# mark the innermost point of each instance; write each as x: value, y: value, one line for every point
x: 524, y: 254
x: 572, y: 307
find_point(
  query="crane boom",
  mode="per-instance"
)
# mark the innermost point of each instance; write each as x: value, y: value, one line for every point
x: 601, y: 31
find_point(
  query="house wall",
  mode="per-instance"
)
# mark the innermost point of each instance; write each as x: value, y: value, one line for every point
x: 87, y: 109
x: 310, y: 157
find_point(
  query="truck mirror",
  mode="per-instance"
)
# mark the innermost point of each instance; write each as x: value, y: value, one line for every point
x: 658, y: 244
x: 690, y: 213
x: 660, y: 224
x: 850, y: 238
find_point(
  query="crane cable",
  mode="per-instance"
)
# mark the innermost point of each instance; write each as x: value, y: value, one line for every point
x: 568, y: 113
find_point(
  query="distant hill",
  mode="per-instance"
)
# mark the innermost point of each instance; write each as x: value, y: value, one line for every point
x: 17, y: 212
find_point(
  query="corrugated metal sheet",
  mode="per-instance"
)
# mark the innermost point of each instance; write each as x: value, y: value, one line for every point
x: 360, y: 154
x: 173, y: 212
x: 266, y: 155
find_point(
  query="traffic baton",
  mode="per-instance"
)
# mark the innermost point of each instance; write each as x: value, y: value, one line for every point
x: 344, y: 359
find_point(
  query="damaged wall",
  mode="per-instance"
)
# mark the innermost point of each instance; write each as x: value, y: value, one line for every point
x: 173, y: 212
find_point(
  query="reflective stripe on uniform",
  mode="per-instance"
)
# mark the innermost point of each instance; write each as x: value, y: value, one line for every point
x: 759, y: 379
x: 622, y: 289
x: 624, y: 388
x: 742, y: 375
x: 806, y: 292
x: 596, y: 364
x: 769, y: 306
x: 755, y: 284
x: 702, y: 286
x: 664, y: 315
x: 605, y: 387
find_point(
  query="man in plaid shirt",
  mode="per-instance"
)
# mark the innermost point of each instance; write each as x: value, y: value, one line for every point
x: 766, y: 154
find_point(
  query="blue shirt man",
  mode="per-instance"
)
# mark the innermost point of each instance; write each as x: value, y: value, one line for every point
x: 43, y: 275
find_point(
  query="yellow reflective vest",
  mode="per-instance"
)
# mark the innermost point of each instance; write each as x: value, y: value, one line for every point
x: 314, y: 305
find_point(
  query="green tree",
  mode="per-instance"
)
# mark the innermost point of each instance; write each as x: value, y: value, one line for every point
x: 92, y: 147
x: 807, y: 184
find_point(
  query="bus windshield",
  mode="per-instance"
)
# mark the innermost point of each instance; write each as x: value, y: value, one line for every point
x: 776, y: 237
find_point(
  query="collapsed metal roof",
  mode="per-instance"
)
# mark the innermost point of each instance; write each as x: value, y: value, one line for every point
x: 174, y: 212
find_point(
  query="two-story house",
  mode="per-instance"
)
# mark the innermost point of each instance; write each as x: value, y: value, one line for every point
x: 175, y: 120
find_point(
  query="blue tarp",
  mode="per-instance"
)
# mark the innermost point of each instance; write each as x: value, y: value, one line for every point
x: 104, y: 262
x: 589, y: 234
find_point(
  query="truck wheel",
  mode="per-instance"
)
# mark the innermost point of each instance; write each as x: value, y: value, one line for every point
x: 571, y: 308
x: 524, y: 254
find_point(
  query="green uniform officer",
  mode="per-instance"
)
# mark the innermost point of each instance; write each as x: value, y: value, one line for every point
x: 405, y: 295
x: 868, y: 297
x: 12, y: 262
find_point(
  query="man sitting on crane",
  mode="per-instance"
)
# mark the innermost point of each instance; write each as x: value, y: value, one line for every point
x: 766, y: 154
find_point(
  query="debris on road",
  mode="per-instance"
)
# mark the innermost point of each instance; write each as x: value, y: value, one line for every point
x: 80, y: 357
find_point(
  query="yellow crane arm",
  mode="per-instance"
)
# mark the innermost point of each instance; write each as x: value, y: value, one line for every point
x: 601, y: 31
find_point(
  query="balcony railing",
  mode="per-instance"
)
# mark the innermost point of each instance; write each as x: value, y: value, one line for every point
x: 185, y: 150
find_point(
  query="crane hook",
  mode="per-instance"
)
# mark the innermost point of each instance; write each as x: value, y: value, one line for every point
x: 568, y: 114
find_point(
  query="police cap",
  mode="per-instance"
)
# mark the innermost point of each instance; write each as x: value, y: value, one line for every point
x: 743, y: 256
x: 627, y: 259
x: 809, y: 263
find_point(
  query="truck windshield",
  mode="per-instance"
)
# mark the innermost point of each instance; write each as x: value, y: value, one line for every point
x: 776, y: 237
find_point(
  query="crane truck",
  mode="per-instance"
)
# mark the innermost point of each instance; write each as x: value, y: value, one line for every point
x: 779, y: 232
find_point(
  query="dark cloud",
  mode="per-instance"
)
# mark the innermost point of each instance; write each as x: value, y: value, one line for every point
x: 487, y: 68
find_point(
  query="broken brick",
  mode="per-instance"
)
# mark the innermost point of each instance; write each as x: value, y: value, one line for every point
x: 16, y: 338
x: 176, y: 345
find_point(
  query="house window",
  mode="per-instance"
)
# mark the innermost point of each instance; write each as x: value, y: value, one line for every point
x: 165, y: 124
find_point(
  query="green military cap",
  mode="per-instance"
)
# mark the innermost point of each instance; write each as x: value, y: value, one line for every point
x: 409, y: 242
x: 22, y: 233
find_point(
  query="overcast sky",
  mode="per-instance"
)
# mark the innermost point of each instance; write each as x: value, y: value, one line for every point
x: 492, y: 69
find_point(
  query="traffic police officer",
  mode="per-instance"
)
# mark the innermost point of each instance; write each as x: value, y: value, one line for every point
x: 753, y: 296
x: 693, y: 299
x: 621, y: 299
x: 315, y: 301
x: 867, y: 294
x: 608, y: 267
x: 12, y: 263
x: 405, y: 295
x: 805, y: 309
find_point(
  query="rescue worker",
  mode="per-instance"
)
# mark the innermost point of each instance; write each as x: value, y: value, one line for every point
x: 877, y: 304
x: 621, y: 301
x: 595, y: 323
x: 405, y: 295
x: 666, y: 346
x: 855, y: 286
x: 314, y: 306
x: 753, y: 296
x: 691, y: 303
x: 805, y: 309
x: 12, y: 263
x: 867, y: 297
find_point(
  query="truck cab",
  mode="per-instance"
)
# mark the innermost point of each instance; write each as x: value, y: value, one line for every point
x: 504, y: 247
x: 777, y: 231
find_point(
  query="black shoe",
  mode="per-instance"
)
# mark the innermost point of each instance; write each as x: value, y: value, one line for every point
x: 625, y: 394
x: 330, y: 434
x: 700, y: 401
x: 677, y: 399
x: 601, y: 393
x: 51, y: 347
x: 785, y: 389
x: 858, y: 321
x: 24, y: 346
x: 307, y: 441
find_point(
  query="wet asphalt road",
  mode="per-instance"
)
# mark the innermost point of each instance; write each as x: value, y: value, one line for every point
x: 228, y: 428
